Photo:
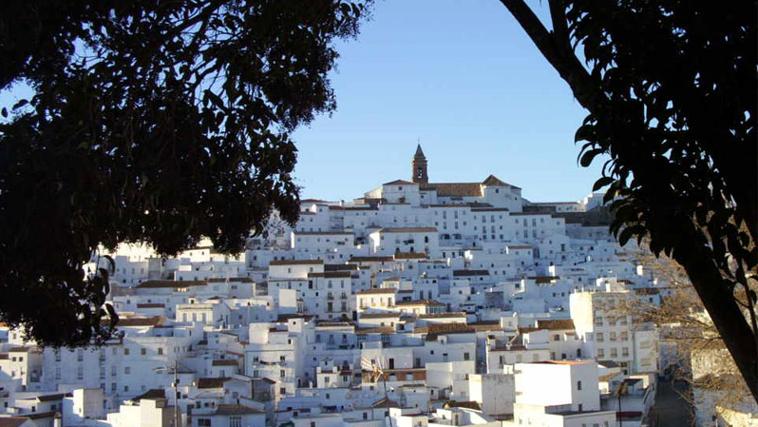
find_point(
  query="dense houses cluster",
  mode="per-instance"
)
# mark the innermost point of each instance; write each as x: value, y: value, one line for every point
x: 418, y: 304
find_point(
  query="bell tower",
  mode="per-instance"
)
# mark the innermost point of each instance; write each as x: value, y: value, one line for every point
x: 419, y: 175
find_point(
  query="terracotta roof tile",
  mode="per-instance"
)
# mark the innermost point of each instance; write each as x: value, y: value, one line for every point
x: 455, y: 189
x: 555, y: 324
x: 211, y: 382
x: 296, y: 262
x: 154, y: 284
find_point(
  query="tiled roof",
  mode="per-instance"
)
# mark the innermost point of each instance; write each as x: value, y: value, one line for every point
x: 490, y: 210
x: 331, y: 274
x: 378, y: 315
x: 378, y: 330
x: 408, y: 230
x: 434, y: 330
x: 399, y: 182
x: 322, y: 233
x: 50, y: 397
x: 12, y: 421
x: 231, y: 279
x: 442, y: 315
x: 296, y: 262
x: 566, y: 362
x: 377, y: 291
x: 555, y: 324
x: 472, y: 205
x: 153, y: 284
x: 492, y: 180
x: 211, y: 382
x: 151, y: 305
x: 333, y: 323
x: 427, y: 302
x: 410, y: 255
x: 138, y: 321
x: 486, y: 326
x: 371, y: 259
x: 153, y: 393
x: 340, y: 267
x: 385, y: 403
x: 463, y: 404
x: 41, y: 415
x: 285, y: 317
x: 455, y: 189
x: 462, y: 273
x: 226, y: 409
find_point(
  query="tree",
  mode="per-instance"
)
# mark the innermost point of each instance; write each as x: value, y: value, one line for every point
x: 670, y: 87
x: 695, y: 351
x: 155, y: 122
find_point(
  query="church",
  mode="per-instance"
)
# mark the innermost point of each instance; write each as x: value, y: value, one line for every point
x: 490, y: 192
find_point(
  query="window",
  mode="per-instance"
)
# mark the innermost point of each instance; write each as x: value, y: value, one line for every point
x: 466, y: 356
x: 143, y: 351
x: 578, y: 385
x: 235, y: 421
x: 204, y: 422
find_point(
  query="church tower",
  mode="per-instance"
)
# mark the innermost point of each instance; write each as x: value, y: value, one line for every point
x: 419, y: 175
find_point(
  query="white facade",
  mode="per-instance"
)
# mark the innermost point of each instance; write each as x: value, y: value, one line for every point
x: 468, y: 302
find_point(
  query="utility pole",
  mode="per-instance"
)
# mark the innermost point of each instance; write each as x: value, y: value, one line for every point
x: 621, y: 390
x: 175, y: 387
x: 175, y: 384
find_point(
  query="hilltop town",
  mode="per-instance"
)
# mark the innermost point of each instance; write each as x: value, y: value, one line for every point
x: 420, y: 303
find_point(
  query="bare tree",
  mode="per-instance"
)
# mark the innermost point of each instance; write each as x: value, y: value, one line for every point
x: 699, y: 356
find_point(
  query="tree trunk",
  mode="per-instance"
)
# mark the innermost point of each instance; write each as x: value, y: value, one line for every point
x: 719, y: 301
x: 692, y: 252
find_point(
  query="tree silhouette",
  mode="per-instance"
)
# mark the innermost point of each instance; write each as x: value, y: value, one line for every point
x: 670, y: 86
x: 158, y: 122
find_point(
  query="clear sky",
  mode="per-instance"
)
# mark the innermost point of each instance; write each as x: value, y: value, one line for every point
x: 462, y: 76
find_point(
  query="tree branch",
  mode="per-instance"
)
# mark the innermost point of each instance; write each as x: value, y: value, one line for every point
x: 569, y: 67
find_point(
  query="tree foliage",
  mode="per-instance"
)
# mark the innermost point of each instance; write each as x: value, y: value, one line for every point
x: 670, y: 87
x: 157, y: 122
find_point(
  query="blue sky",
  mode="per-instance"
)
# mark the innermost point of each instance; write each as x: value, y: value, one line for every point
x: 464, y: 78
